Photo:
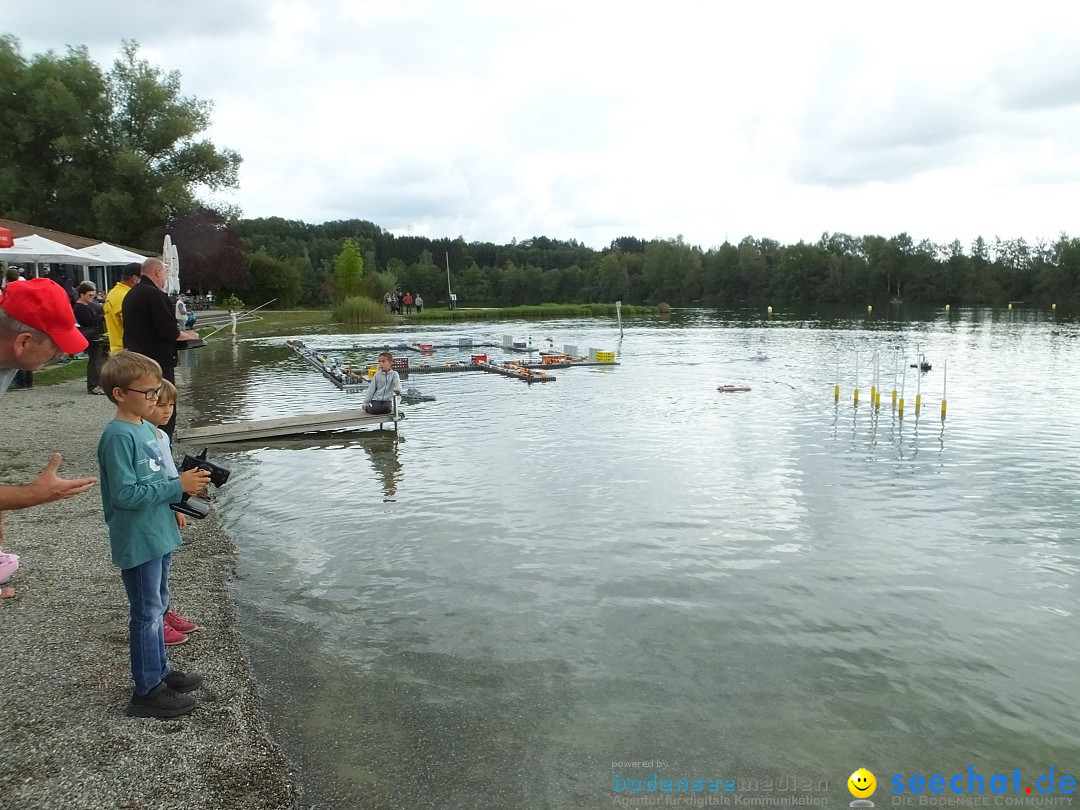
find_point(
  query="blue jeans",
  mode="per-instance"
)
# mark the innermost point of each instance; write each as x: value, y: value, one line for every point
x: 147, y: 587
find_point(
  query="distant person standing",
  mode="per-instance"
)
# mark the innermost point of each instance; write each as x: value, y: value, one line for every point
x: 408, y: 302
x: 150, y: 323
x: 114, y: 316
x: 90, y: 316
x: 419, y: 303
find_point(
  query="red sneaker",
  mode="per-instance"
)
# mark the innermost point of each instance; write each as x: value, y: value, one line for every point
x: 173, y: 637
x: 178, y: 622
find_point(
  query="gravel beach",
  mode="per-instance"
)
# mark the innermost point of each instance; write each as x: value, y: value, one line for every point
x: 64, y: 671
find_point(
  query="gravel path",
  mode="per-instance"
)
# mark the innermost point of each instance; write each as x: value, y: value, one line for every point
x: 64, y: 672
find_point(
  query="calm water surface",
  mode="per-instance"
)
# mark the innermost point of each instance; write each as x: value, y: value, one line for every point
x: 530, y: 583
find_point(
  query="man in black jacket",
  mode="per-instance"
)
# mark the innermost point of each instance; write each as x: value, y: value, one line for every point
x: 150, y: 324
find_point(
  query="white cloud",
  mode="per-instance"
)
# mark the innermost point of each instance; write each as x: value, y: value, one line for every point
x: 593, y: 120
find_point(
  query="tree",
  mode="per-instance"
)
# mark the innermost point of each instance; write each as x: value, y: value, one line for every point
x: 211, y: 253
x: 272, y: 279
x: 348, y: 270
x: 112, y: 155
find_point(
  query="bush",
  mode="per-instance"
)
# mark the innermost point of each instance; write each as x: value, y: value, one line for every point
x: 360, y: 310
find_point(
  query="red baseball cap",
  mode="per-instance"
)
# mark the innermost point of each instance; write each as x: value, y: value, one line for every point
x: 43, y: 304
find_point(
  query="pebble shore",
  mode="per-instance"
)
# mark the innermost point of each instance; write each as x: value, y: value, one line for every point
x: 64, y: 669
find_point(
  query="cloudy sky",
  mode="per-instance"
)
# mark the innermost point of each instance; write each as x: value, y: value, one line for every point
x: 496, y: 119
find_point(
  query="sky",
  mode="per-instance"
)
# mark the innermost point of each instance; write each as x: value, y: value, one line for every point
x: 578, y: 119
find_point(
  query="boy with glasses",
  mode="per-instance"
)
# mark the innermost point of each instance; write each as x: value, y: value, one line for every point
x: 136, y: 491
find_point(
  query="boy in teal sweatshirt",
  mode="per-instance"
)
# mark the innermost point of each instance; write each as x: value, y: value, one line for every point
x: 136, y: 491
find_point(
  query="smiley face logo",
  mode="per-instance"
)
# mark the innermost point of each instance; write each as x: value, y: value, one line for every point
x: 862, y: 783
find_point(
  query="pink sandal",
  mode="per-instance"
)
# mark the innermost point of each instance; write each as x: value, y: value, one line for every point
x: 9, y: 564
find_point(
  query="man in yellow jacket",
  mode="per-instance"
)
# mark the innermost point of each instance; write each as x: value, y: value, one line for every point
x: 114, y: 312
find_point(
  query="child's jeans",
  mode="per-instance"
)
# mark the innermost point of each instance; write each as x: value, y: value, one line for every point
x: 147, y: 587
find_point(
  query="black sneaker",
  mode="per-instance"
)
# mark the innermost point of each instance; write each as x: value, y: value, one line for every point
x: 183, y: 681
x: 161, y: 701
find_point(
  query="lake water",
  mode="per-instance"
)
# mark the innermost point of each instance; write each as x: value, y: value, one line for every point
x: 531, y: 583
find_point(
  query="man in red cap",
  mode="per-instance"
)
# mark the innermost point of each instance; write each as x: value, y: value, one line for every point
x: 37, y: 325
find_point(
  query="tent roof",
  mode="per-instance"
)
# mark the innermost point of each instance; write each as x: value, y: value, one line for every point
x: 107, y: 254
x: 36, y: 248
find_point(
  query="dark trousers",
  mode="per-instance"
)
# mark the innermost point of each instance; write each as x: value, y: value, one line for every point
x: 23, y: 379
x: 98, y: 353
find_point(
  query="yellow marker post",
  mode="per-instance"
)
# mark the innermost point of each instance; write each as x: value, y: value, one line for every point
x: 918, y: 388
x: 1053, y: 307
x: 948, y: 307
x: 874, y: 398
x: 944, y: 391
x: 1010, y: 305
x: 769, y: 310
x: 903, y: 385
x: 869, y: 309
x: 836, y: 388
x: 895, y: 356
x: 856, y: 379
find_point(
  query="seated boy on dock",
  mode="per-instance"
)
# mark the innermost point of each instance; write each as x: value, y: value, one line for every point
x: 385, y: 383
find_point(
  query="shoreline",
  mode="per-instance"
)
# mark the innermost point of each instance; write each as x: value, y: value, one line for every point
x: 64, y: 669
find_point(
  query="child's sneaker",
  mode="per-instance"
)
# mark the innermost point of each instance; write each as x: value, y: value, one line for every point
x: 183, y: 681
x: 179, y: 623
x: 161, y: 701
x: 173, y: 636
x: 9, y: 564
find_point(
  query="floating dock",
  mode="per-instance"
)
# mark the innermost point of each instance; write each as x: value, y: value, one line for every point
x: 288, y: 426
x: 341, y: 376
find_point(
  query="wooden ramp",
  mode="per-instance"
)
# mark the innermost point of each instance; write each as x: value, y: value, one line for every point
x: 288, y: 426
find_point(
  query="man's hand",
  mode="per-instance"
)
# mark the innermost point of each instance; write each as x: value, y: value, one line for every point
x: 188, y: 334
x: 48, y: 486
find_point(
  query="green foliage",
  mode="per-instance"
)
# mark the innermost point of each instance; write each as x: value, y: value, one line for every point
x: 348, y: 271
x: 114, y: 154
x: 272, y: 278
x: 232, y: 302
x: 359, y: 310
x: 838, y: 268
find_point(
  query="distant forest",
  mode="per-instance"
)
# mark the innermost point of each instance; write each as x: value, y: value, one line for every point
x: 294, y: 262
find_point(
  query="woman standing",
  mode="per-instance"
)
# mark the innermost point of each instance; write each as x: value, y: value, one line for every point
x: 91, y: 318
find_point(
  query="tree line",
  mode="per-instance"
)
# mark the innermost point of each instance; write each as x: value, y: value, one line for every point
x: 836, y: 269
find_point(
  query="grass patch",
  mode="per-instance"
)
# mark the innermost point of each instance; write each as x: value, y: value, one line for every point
x: 529, y: 311
x: 360, y: 311
x: 61, y: 372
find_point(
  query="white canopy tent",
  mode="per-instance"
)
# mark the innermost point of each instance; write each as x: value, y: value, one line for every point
x: 106, y: 254
x: 39, y: 250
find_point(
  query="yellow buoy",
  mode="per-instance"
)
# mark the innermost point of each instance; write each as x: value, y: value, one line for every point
x: 770, y: 310
x: 944, y: 407
x: 894, y: 398
x: 869, y: 308
x: 856, y: 396
x: 918, y: 403
x: 1053, y: 306
x: 1010, y: 305
x: 948, y: 307
x: 877, y: 400
x: 900, y: 410
x: 873, y: 394
x: 836, y: 393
